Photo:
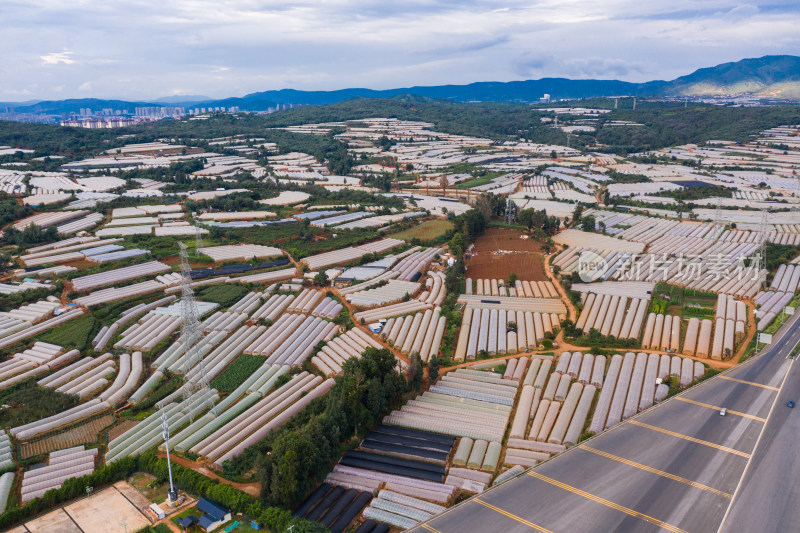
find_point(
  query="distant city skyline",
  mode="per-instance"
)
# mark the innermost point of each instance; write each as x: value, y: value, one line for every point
x: 145, y: 50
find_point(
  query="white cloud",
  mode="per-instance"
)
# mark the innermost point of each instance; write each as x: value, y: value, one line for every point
x: 85, y: 86
x: 57, y: 57
x: 139, y: 49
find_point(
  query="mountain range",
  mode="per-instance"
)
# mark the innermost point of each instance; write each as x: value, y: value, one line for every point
x: 775, y: 77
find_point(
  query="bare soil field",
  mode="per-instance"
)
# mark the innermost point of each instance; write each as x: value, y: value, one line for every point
x: 107, y: 511
x: 501, y: 252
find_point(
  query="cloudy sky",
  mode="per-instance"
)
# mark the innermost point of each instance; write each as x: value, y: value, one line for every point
x: 140, y: 49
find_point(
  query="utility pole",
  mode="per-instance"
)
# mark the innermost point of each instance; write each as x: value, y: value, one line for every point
x: 172, y: 494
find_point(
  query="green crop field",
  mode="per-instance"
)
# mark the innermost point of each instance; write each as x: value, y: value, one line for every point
x: 225, y: 294
x: 72, y: 334
x: 236, y: 373
x: 27, y: 403
x: 427, y: 231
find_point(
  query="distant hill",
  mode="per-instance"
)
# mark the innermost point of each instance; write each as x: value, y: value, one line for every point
x: 765, y: 77
x: 75, y: 105
x: 491, y: 91
x: 182, y: 99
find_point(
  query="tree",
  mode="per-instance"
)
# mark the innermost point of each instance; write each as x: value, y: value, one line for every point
x: 456, y: 245
x: 433, y: 369
x: 321, y: 278
x: 512, y: 278
x: 576, y: 214
x: 472, y: 223
x: 498, y: 203
x: 444, y: 183
x: 588, y: 223
x: 415, y: 371
x: 525, y: 217
x: 602, y: 226
x: 484, y: 206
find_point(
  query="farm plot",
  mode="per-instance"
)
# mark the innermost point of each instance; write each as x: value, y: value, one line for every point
x: 464, y: 403
x: 520, y: 289
x: 256, y: 422
x: 707, y: 266
x: 72, y: 334
x: 339, y: 349
x: 85, y: 433
x: 780, y: 293
x: 60, y: 422
x: 334, y: 506
x: 427, y: 231
x: 636, y: 381
x: 62, y: 465
x: 498, y: 330
x: 663, y: 331
x: 406, y: 468
x: 553, y: 406
x: 419, y: 333
x: 233, y: 376
x: 500, y: 252
x: 38, y: 359
x: 613, y: 314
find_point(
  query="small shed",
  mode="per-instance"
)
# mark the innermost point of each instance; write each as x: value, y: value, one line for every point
x: 186, y: 521
x: 158, y: 511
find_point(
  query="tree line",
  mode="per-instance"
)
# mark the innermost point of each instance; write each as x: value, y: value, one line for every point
x: 290, y: 460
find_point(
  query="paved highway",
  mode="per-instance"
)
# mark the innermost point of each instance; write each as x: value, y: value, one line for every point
x: 767, y: 499
x: 674, y: 467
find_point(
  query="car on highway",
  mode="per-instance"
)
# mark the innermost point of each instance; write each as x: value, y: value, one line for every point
x: 723, y: 411
x: 790, y: 404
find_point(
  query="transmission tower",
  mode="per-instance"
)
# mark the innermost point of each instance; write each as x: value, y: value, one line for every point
x: 796, y: 206
x: 192, y: 333
x: 511, y: 211
x: 718, y: 222
x: 198, y: 241
x: 761, y: 254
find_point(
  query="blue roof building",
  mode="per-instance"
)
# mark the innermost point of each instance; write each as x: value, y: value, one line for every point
x: 214, y: 514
